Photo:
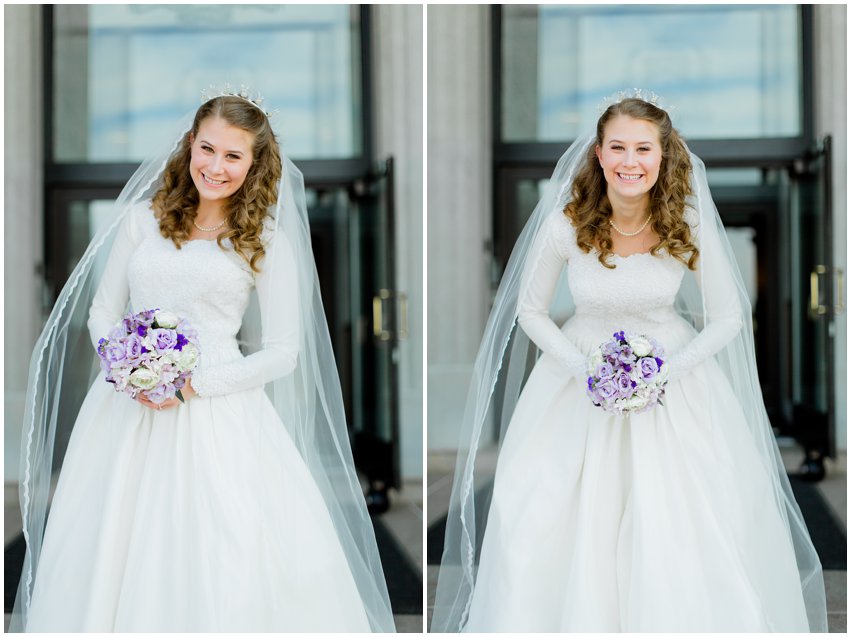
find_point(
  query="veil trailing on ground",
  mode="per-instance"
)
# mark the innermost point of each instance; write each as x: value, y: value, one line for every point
x: 308, y: 400
x: 506, y: 356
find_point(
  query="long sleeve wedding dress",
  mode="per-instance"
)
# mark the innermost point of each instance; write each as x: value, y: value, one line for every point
x: 662, y: 521
x: 202, y: 517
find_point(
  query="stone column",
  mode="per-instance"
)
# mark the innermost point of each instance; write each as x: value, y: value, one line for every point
x: 459, y: 207
x: 23, y: 212
x: 397, y: 67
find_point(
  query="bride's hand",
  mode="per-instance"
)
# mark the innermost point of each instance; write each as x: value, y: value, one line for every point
x: 188, y: 391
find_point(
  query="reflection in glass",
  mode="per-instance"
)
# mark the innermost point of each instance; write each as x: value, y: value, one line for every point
x: 529, y: 192
x: 123, y: 73
x: 744, y: 249
x: 85, y: 220
x: 736, y: 177
x: 730, y: 71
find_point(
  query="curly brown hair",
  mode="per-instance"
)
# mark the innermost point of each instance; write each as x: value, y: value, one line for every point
x: 589, y: 208
x: 176, y: 201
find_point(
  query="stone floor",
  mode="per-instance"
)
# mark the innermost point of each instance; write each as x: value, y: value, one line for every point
x: 834, y: 488
x: 404, y: 521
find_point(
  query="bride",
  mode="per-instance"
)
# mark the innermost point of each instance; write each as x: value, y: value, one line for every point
x: 677, y: 519
x: 239, y: 509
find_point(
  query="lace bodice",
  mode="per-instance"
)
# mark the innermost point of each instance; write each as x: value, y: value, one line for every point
x: 205, y: 284
x: 637, y: 295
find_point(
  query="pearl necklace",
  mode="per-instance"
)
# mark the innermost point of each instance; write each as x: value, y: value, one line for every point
x: 630, y: 234
x: 203, y: 229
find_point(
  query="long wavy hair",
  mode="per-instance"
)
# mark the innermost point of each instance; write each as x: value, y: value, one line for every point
x: 176, y: 201
x: 589, y: 208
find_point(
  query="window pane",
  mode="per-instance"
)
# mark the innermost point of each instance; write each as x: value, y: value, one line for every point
x: 123, y: 73
x: 730, y: 71
x: 735, y: 177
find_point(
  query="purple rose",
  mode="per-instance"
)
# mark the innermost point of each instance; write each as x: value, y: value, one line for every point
x: 160, y: 393
x: 648, y: 368
x: 611, y: 349
x: 133, y: 348
x: 605, y: 371
x: 164, y: 339
x: 625, y: 386
x: 606, y: 390
x: 145, y: 318
x: 114, y: 352
x: 625, y: 355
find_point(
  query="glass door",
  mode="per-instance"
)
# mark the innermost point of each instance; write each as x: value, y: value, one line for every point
x: 380, y: 312
x: 818, y: 297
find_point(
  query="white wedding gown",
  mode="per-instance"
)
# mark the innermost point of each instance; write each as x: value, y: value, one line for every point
x: 198, y: 518
x: 662, y: 521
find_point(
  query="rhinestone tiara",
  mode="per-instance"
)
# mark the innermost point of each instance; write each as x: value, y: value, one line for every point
x: 255, y: 99
x: 637, y: 93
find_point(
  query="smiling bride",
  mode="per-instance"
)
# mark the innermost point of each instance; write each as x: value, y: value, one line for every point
x: 638, y: 485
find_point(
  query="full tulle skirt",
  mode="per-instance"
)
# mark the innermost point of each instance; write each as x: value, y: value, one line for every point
x: 661, y: 521
x: 198, y: 518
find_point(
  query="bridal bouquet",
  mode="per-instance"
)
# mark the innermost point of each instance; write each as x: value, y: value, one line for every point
x: 152, y: 353
x: 627, y: 375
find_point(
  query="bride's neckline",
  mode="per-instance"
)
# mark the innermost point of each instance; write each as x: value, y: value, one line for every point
x: 623, y: 257
x: 629, y: 256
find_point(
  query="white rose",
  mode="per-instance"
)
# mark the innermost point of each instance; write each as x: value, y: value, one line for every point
x: 641, y: 346
x: 188, y: 358
x: 144, y: 378
x: 596, y: 359
x: 170, y: 357
x: 166, y: 320
x: 636, y: 402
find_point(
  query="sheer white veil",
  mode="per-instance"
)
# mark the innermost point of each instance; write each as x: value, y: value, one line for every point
x: 308, y: 401
x: 506, y: 356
